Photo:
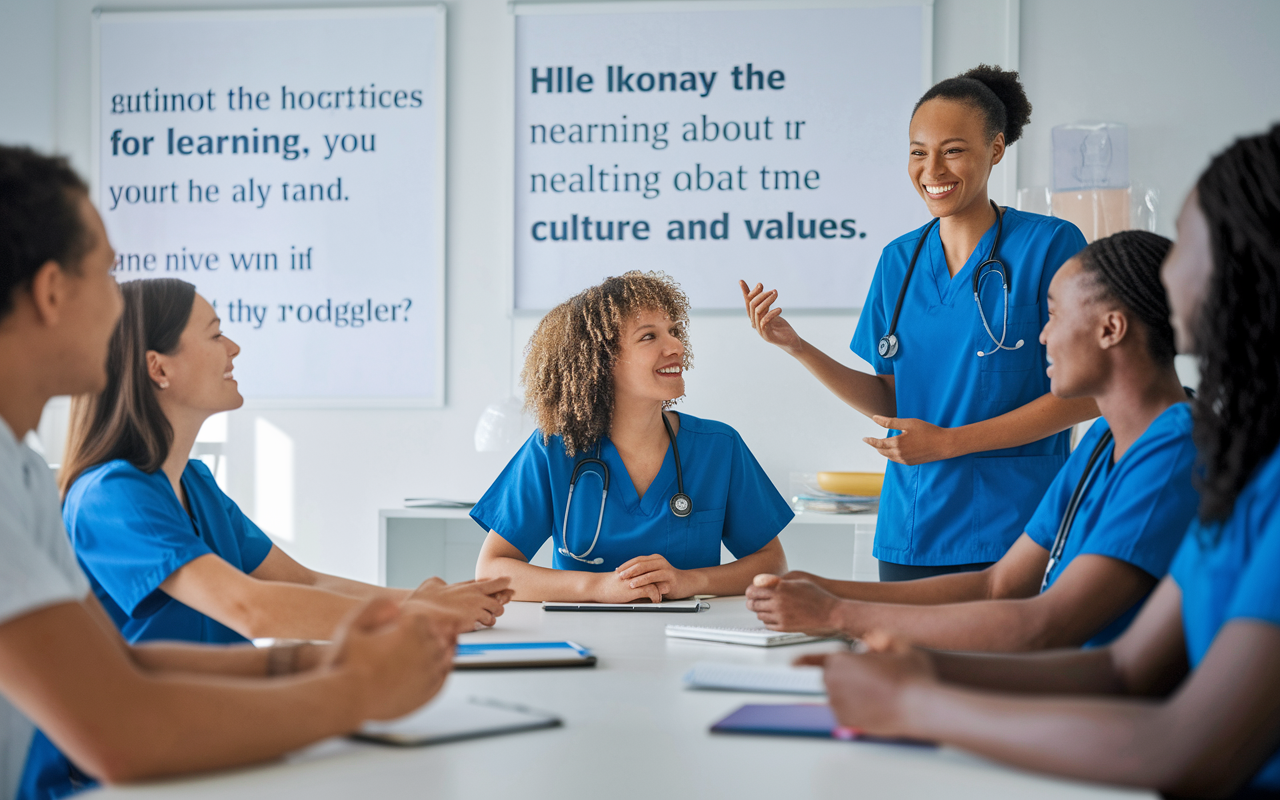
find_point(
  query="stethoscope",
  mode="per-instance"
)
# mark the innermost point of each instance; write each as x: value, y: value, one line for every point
x: 1073, y: 505
x: 680, y: 503
x: 888, y: 345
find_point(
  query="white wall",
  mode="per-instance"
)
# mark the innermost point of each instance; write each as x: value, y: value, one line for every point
x: 350, y: 463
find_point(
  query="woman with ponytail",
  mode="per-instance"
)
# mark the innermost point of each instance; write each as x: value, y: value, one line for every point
x: 1186, y: 701
x: 979, y: 435
x: 1071, y: 578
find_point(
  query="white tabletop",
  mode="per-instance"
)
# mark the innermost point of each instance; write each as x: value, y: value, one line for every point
x: 630, y: 731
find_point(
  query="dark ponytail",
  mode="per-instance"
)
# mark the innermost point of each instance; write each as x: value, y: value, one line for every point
x: 996, y: 92
x: 1126, y: 266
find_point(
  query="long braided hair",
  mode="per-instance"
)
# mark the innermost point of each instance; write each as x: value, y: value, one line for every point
x: 1126, y: 268
x: 1237, y: 332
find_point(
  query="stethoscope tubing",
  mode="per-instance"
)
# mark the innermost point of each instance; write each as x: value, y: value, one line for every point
x: 888, y: 345
x: 680, y: 503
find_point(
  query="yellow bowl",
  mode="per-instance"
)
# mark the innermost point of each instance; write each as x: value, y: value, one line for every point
x: 862, y: 484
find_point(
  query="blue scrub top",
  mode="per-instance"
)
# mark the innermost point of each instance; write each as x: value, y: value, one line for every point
x: 968, y: 509
x: 734, y: 502
x: 131, y: 533
x: 1228, y: 572
x: 1135, y: 511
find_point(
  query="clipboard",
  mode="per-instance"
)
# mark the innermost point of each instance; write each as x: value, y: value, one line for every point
x: 454, y: 720
x: 511, y: 655
x: 669, y: 606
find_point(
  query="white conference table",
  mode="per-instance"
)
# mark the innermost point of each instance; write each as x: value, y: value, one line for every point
x: 630, y: 731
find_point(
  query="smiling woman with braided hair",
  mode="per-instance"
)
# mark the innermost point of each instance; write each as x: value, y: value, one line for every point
x: 1186, y: 701
x: 1072, y: 577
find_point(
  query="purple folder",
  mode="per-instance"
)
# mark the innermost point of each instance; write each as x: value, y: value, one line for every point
x: 797, y: 719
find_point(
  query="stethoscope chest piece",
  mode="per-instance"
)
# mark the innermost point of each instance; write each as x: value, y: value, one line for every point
x: 888, y: 345
x: 681, y: 505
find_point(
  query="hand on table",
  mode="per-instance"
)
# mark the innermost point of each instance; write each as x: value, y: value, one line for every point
x: 643, y: 572
x: 784, y: 604
x: 866, y: 690
x: 766, y: 321
x: 920, y: 442
x: 468, y: 604
x: 396, y: 657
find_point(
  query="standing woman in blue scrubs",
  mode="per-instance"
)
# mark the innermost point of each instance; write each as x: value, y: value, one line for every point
x: 656, y: 492
x: 1187, y: 701
x: 980, y: 437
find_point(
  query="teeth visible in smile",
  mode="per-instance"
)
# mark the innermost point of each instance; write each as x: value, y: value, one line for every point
x: 227, y: 375
x: 670, y: 370
x: 939, y: 189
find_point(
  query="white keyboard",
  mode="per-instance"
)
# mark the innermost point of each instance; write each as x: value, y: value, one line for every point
x: 745, y: 678
x: 756, y: 637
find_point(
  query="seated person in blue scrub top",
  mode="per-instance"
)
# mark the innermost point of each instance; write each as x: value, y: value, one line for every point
x: 136, y: 712
x: 979, y: 435
x: 599, y: 374
x: 1109, y: 339
x: 1187, y: 700
x: 168, y: 553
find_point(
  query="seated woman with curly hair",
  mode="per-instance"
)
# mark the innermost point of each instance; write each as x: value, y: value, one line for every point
x: 636, y: 498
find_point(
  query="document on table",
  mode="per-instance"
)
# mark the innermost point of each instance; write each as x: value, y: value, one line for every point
x: 751, y: 678
x: 758, y: 636
x: 505, y: 655
x: 454, y: 719
x: 677, y: 606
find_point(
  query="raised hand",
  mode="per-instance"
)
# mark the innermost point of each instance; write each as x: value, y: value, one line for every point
x: 396, y: 657
x: 768, y: 321
x: 793, y: 605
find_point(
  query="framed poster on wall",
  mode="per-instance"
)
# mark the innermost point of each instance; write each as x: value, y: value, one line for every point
x: 290, y: 164
x: 714, y: 141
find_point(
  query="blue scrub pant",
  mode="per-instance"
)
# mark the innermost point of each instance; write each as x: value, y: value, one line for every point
x: 907, y: 572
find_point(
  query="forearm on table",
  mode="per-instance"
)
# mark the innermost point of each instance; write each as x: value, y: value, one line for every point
x: 291, y: 611
x: 734, y: 578
x: 1042, y: 417
x: 985, y: 625
x: 954, y: 588
x: 174, y: 724
x: 530, y: 583
x: 364, y: 591
x: 869, y: 394
x: 240, y: 660
x: 1107, y: 740
x: 1064, y: 671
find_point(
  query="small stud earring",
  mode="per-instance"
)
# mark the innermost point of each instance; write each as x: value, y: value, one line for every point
x: 164, y: 384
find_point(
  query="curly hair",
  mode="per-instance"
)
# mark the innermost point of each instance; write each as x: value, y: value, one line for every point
x: 568, y: 363
x: 1126, y: 268
x: 1237, y: 414
x: 996, y: 92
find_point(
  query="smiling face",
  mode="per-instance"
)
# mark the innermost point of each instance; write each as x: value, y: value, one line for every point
x: 1077, y: 332
x: 1186, y: 272
x: 197, y: 375
x: 650, y: 363
x: 951, y: 158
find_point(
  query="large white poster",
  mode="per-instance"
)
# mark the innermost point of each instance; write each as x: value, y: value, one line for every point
x: 769, y: 145
x: 290, y: 165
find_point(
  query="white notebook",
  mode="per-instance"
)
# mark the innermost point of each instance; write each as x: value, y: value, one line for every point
x: 449, y: 719
x: 686, y: 606
x: 756, y: 636
x: 748, y: 678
